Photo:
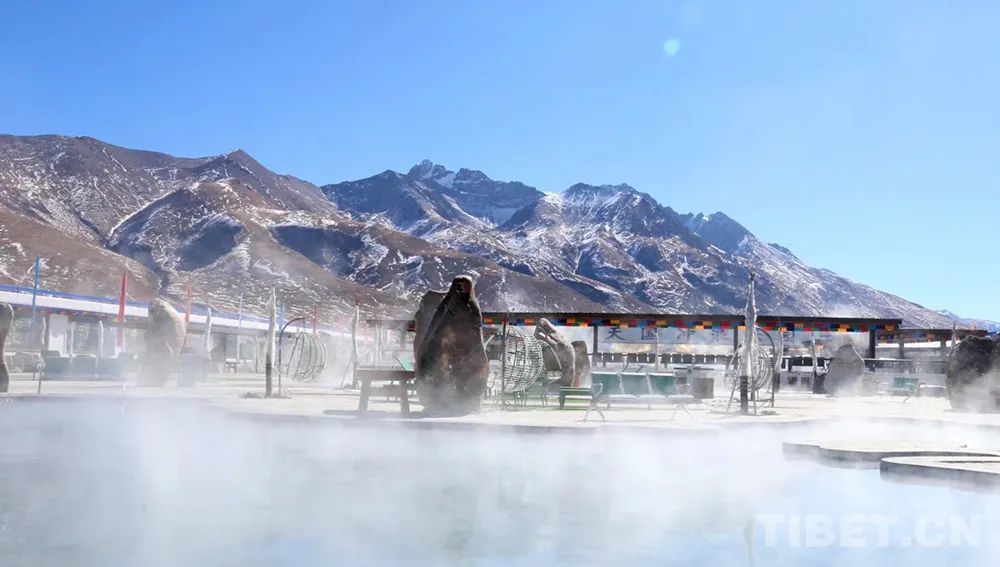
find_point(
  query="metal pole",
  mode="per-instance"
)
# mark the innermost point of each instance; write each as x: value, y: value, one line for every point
x: 269, y: 353
x: 778, y: 362
x: 39, y: 391
x: 354, y: 346
x: 503, y: 363
x: 34, y: 299
x: 120, y: 332
x: 70, y: 334
x: 239, y: 330
x: 656, y: 351
x: 815, y: 363
x: 593, y: 351
x: 744, y: 397
x: 100, y: 339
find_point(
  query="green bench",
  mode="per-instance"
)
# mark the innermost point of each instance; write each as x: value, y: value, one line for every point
x: 905, y: 386
x: 601, y: 382
x: 574, y: 393
x: 663, y: 383
x: 633, y: 388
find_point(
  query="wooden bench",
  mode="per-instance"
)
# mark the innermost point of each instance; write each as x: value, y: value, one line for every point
x: 367, y: 375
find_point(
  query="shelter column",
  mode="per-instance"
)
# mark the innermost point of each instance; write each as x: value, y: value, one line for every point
x: 593, y: 352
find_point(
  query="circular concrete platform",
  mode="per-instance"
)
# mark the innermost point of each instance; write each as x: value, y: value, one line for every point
x: 871, y: 453
x: 980, y: 473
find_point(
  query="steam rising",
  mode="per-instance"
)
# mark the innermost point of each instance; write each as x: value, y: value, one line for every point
x: 157, y: 483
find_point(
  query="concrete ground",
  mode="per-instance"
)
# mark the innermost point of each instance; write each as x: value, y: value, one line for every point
x: 230, y: 392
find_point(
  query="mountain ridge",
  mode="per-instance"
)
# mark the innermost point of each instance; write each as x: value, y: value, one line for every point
x: 229, y: 226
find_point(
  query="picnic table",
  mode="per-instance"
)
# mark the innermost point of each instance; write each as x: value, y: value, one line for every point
x: 403, y: 375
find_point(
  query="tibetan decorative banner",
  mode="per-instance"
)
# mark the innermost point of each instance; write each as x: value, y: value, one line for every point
x: 693, y: 324
x: 696, y: 324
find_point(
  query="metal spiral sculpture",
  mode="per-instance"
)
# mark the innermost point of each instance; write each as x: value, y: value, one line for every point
x: 520, y: 366
x: 301, y: 356
x: 765, y: 355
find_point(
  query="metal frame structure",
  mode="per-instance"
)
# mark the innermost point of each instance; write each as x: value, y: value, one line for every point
x: 311, y: 359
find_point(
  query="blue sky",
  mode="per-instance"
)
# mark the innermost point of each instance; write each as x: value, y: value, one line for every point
x: 862, y: 135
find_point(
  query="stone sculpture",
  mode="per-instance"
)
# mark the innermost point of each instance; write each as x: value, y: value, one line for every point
x: 425, y: 312
x: 452, y: 368
x: 846, y: 373
x: 973, y: 374
x: 581, y: 364
x: 561, y: 351
x: 164, y: 338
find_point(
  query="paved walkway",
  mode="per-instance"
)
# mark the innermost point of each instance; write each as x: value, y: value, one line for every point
x: 230, y: 391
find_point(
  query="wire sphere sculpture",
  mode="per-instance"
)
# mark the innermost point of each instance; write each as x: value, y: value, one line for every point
x: 520, y: 366
x: 301, y: 356
x: 764, y: 353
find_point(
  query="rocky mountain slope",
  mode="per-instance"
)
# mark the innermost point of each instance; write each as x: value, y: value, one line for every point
x: 223, y: 225
x: 226, y: 225
x: 613, y: 244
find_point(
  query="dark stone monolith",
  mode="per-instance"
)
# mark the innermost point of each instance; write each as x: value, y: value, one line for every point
x: 6, y: 320
x: 846, y: 372
x: 562, y: 349
x: 164, y: 337
x: 425, y: 313
x: 973, y: 375
x: 452, y: 368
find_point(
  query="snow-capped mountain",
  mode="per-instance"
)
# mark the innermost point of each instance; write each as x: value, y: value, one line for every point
x: 616, y: 245
x: 226, y: 225
x: 966, y: 323
x: 430, y: 198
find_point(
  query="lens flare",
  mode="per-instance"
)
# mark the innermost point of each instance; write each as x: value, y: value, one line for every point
x: 672, y: 46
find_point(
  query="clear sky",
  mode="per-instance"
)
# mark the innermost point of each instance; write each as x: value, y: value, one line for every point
x: 862, y: 135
